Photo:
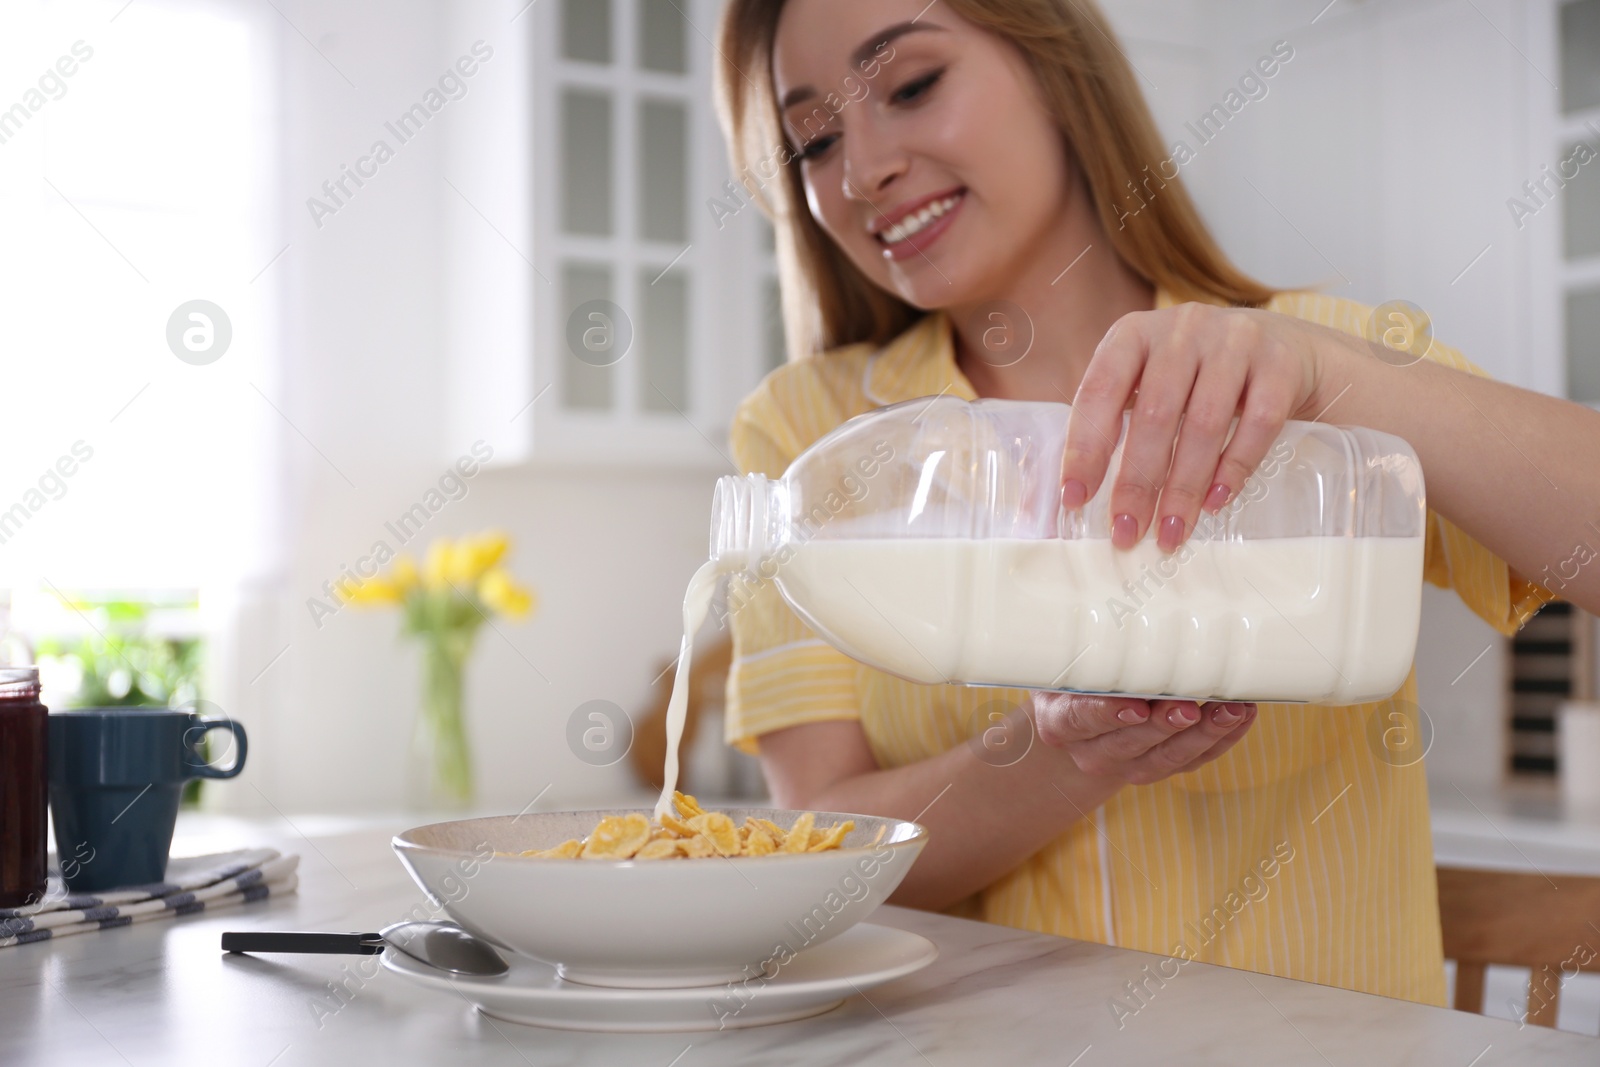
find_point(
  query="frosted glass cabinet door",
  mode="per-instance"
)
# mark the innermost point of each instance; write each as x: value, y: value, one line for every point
x: 663, y: 171
x: 1580, y: 55
x: 586, y: 30
x: 664, y: 341
x: 621, y: 99
x: 595, y: 341
x: 1583, y: 345
x: 662, y: 41
x: 772, y: 324
x: 1583, y: 206
x: 586, y: 163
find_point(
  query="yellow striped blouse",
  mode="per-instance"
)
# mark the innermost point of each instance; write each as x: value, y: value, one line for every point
x: 1304, y: 852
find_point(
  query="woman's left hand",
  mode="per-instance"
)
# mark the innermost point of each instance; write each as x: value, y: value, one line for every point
x: 1139, y: 741
x: 1186, y: 371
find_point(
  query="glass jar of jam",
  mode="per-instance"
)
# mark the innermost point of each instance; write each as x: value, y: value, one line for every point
x: 24, y: 787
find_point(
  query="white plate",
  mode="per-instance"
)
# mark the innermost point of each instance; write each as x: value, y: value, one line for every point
x: 814, y: 981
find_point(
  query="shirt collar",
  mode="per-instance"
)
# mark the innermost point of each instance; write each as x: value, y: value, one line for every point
x: 922, y: 362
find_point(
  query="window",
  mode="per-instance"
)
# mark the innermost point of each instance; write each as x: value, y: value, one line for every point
x: 135, y: 153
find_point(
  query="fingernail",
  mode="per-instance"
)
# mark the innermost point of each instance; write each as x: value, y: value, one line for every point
x: 1184, y: 715
x: 1074, y: 494
x: 1171, y: 534
x: 1133, y: 714
x: 1124, y: 531
x: 1217, y: 497
x: 1226, y: 715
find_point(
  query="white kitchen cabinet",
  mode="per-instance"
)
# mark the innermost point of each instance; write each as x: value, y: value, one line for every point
x: 641, y: 310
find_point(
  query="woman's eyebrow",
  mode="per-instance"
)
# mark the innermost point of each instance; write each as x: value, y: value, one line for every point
x: 860, y: 56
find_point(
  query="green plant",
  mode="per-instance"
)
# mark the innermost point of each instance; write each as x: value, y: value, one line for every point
x: 123, y: 664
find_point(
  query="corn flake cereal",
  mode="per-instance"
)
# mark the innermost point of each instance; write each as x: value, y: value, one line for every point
x: 662, y: 848
x: 696, y: 834
x: 798, y: 838
x: 759, y: 843
x: 696, y: 847
x: 617, y: 837
x: 567, y: 850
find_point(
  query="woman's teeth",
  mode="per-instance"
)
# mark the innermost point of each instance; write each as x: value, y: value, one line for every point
x: 913, y: 224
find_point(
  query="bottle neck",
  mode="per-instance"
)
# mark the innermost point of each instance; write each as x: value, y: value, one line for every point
x: 19, y: 685
x: 747, y: 521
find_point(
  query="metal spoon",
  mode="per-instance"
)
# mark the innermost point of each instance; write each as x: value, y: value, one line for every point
x: 438, y: 944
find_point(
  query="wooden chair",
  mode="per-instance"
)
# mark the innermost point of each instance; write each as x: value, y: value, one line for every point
x: 708, y: 676
x: 1548, y: 925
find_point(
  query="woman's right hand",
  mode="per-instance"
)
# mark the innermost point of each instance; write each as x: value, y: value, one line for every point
x: 1138, y: 741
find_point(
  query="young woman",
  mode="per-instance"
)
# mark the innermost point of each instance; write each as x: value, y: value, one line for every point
x: 930, y: 163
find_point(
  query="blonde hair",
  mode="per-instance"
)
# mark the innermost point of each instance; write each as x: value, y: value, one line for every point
x: 1089, y: 88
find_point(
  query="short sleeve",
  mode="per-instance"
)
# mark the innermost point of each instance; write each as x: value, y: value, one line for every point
x: 782, y: 673
x: 1484, y: 582
x: 1455, y: 560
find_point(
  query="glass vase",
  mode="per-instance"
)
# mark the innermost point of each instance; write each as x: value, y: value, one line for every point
x: 441, y: 761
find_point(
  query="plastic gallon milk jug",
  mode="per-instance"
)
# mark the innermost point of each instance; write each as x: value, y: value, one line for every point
x: 927, y: 539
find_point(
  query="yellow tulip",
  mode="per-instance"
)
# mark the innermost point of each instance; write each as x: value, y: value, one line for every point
x: 436, y: 565
x: 373, y: 591
x: 458, y: 564
x: 403, y: 573
x: 502, y: 593
x: 474, y: 556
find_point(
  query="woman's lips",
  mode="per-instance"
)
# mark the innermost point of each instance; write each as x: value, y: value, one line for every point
x: 918, y: 243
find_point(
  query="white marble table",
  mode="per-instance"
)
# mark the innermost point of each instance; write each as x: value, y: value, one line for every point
x: 163, y: 994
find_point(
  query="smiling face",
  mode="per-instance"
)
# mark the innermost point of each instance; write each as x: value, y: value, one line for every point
x: 927, y: 153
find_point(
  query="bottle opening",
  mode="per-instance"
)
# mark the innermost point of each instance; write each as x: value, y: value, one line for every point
x: 742, y: 516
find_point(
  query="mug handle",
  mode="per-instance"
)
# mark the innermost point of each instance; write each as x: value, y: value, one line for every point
x: 199, y: 767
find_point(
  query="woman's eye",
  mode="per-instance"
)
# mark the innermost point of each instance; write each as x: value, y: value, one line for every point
x: 815, y: 148
x: 907, y: 94
x: 912, y: 90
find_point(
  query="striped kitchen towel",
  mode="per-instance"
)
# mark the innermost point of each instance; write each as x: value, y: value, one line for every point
x: 197, y: 883
x: 183, y: 872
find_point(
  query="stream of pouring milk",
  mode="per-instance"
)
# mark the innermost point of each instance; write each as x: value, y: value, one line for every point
x: 696, y: 602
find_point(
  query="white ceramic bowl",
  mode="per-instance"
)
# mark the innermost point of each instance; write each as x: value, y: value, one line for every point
x: 654, y: 923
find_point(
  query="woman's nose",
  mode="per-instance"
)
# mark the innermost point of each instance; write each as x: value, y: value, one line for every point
x: 872, y: 163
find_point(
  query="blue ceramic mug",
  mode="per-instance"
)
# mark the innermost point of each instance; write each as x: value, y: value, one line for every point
x: 116, y: 775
